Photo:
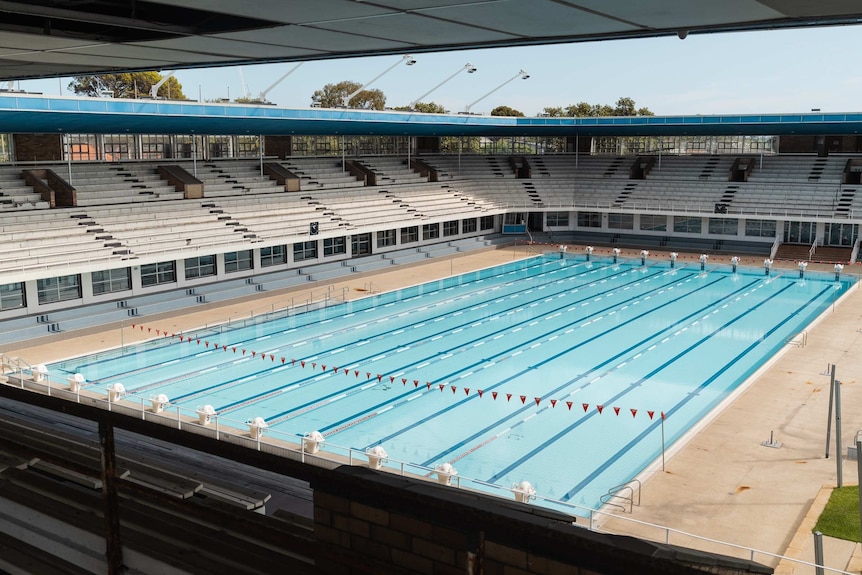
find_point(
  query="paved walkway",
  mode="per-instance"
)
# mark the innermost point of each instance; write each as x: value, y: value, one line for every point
x: 722, y: 483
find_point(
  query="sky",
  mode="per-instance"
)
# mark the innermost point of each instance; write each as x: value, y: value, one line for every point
x: 780, y: 71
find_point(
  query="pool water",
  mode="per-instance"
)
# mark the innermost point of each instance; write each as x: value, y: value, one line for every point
x: 554, y: 371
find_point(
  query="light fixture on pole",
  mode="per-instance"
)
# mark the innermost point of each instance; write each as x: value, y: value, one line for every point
x: 262, y: 96
x: 521, y: 74
x: 468, y: 66
x: 407, y: 59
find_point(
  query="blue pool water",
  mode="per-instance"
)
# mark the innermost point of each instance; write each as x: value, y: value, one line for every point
x: 546, y: 340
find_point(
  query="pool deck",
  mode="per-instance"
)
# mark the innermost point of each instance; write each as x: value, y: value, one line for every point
x: 721, y: 483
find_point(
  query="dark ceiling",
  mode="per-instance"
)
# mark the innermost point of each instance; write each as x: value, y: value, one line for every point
x: 45, y: 38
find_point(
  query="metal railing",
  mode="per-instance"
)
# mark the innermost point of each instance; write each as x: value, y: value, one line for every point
x: 330, y: 456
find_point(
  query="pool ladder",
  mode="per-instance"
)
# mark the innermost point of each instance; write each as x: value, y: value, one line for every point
x: 799, y: 340
x: 624, y: 497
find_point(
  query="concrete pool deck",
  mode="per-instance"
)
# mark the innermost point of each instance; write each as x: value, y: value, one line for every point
x: 722, y: 483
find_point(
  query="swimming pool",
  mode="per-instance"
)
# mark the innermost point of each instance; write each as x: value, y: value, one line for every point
x: 555, y: 371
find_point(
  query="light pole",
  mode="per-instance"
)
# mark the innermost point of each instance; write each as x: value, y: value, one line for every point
x: 407, y: 59
x: 468, y: 66
x: 521, y: 74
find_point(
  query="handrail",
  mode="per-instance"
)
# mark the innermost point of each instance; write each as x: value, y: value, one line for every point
x: 614, y: 493
x: 332, y: 456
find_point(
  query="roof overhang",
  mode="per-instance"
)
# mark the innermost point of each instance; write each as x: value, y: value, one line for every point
x: 42, y: 114
x: 46, y: 38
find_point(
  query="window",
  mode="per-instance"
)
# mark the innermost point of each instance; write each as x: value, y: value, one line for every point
x: 110, y: 281
x: 12, y: 295
x: 304, y: 251
x: 386, y: 238
x: 160, y: 273
x: 621, y: 221
x: 760, y: 228
x: 410, y: 235
x: 589, y: 220
x: 334, y: 246
x: 652, y: 223
x: 557, y: 219
x: 430, y: 231
x: 686, y: 225
x: 272, y: 256
x: 486, y: 223
x: 468, y: 226
x: 200, y: 267
x: 63, y: 288
x: 360, y: 245
x: 237, y: 261
x: 723, y: 226
x: 450, y: 228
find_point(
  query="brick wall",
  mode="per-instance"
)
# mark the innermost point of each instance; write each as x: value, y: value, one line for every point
x: 367, y: 522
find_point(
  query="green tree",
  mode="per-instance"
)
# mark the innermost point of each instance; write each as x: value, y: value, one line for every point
x: 506, y: 111
x: 333, y: 95
x: 623, y: 107
x: 424, y: 108
x: 127, y: 85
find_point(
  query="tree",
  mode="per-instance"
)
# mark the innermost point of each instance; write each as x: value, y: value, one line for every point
x: 127, y: 85
x: 423, y: 108
x: 506, y: 111
x: 623, y: 107
x: 333, y: 95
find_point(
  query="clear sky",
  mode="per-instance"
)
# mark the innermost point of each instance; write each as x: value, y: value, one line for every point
x: 747, y: 72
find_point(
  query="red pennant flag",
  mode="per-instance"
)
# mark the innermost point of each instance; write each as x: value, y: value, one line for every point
x: 198, y: 341
x: 428, y: 384
x: 553, y: 403
x: 508, y: 397
x: 367, y: 375
x: 617, y: 410
x: 391, y: 379
x: 323, y: 367
x: 173, y: 335
x: 208, y: 343
x: 441, y: 386
x: 415, y: 383
x: 313, y: 365
x: 149, y: 329
x: 586, y: 406
x: 569, y: 405
x: 347, y: 372
x: 662, y: 415
x: 600, y: 408
x: 453, y: 388
x: 537, y: 399
x: 253, y: 353
x: 523, y: 399
x: 263, y: 356
x: 224, y: 347
x: 302, y: 363
x: 494, y: 394
x: 650, y: 413
x: 282, y: 361
x: 243, y: 352
x: 292, y: 361
x: 403, y: 381
x: 158, y: 332
x: 133, y: 326
x: 634, y: 412
x: 335, y: 369
x: 480, y: 392
x: 466, y: 391
x: 234, y: 349
x: 379, y: 377
x: 182, y: 338
x: 142, y: 327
